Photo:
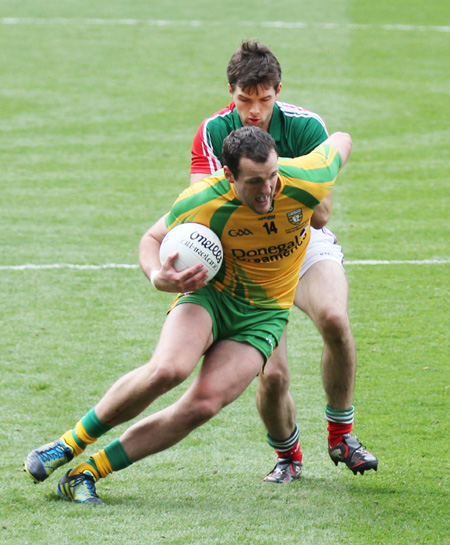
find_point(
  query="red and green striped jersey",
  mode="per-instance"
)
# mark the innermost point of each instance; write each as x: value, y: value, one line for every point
x: 295, y: 130
x: 262, y: 253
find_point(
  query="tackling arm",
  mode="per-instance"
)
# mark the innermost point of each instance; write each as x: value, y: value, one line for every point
x: 342, y: 141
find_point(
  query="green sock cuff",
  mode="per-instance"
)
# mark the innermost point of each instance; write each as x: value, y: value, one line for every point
x: 287, y: 444
x: 93, y: 464
x: 93, y: 426
x: 340, y: 417
x: 78, y: 441
x: 117, y: 456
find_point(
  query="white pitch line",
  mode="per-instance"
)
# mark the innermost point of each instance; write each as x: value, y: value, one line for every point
x: 363, y: 262
x: 198, y: 23
x: 31, y: 266
x: 398, y: 262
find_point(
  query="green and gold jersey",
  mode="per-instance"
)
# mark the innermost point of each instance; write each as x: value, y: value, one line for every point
x: 262, y: 253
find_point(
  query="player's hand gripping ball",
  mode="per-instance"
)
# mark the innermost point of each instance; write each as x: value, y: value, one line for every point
x: 195, y: 243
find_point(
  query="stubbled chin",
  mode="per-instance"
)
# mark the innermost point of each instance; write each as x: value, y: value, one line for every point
x: 263, y: 208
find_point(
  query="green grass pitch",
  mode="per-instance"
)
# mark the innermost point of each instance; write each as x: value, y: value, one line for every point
x: 99, y: 102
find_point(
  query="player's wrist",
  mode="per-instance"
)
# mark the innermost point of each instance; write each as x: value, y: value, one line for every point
x: 153, y: 275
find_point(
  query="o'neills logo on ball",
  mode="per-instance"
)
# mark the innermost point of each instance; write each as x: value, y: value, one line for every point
x: 207, y: 244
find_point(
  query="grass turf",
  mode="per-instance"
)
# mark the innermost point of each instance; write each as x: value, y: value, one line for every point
x: 97, y: 121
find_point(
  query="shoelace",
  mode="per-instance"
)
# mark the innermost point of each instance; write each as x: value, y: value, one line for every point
x: 88, y: 481
x: 53, y: 453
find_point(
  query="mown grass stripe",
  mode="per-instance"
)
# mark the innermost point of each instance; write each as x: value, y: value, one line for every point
x: 199, y: 23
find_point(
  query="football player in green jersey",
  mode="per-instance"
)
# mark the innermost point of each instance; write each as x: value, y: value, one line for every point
x: 254, y: 83
x: 234, y: 329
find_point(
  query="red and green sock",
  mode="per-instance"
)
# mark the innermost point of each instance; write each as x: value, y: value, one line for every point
x: 288, y: 448
x: 339, y: 423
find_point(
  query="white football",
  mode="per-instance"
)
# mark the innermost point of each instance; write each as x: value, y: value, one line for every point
x: 195, y: 243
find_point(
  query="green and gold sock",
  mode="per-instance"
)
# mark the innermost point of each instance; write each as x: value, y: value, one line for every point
x: 112, y: 458
x: 86, y: 431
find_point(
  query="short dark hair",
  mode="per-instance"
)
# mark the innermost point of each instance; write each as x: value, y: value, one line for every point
x: 251, y: 142
x: 252, y: 65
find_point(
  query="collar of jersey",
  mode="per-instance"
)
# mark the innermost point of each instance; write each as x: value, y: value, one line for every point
x: 275, y: 122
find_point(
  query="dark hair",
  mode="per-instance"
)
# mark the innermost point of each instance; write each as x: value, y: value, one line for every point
x: 251, y: 142
x: 252, y: 65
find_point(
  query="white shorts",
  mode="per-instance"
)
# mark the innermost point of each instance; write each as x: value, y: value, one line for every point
x: 322, y: 246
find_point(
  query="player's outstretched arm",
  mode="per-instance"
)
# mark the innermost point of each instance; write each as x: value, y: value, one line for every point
x: 342, y: 141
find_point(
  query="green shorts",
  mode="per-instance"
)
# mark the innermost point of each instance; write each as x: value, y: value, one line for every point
x: 239, y: 321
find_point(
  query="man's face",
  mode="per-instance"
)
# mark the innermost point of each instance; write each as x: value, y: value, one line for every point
x: 255, y: 106
x: 257, y: 183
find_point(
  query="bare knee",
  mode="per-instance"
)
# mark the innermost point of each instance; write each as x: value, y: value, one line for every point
x: 333, y: 323
x: 164, y: 376
x: 274, y: 381
x: 201, y: 410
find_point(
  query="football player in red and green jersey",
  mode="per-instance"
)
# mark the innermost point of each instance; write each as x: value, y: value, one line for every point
x: 254, y: 83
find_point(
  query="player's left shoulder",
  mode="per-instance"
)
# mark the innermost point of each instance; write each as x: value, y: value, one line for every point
x: 298, y: 113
